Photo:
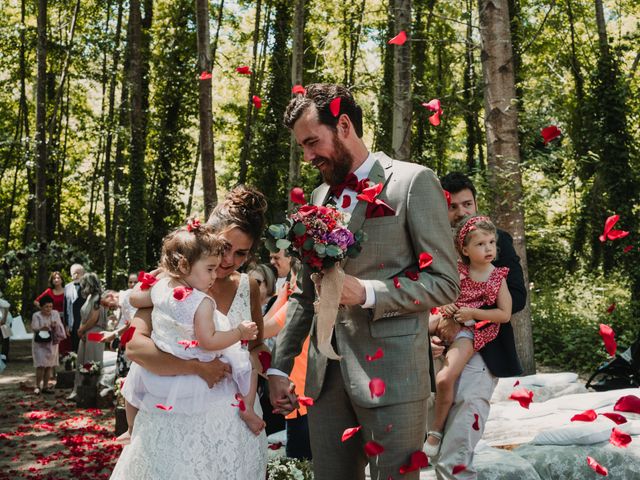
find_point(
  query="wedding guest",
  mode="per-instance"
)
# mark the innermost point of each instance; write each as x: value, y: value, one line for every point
x: 374, y: 310
x: 5, y: 322
x: 93, y: 320
x: 55, y: 290
x: 263, y: 274
x: 281, y: 261
x: 132, y: 279
x: 497, y: 359
x: 73, y: 302
x: 46, y: 324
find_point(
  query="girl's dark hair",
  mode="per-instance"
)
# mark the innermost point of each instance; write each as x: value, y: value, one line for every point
x: 53, y: 274
x: 46, y: 299
x: 190, y: 246
x: 243, y: 207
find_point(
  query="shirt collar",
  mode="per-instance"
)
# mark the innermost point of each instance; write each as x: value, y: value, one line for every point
x: 363, y: 170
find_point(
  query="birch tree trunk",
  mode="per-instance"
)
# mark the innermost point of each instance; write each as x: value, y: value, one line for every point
x: 401, y: 139
x: 503, y: 153
x: 205, y: 109
x: 297, y: 62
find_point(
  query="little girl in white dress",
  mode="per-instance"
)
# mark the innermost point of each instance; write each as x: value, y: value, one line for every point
x: 187, y: 325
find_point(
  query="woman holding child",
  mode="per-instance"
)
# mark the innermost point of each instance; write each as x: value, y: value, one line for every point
x: 216, y: 443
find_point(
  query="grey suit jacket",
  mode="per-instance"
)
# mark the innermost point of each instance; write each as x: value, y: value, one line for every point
x: 399, y: 321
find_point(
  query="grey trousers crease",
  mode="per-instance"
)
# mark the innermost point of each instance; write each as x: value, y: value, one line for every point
x: 473, y: 394
x: 399, y: 428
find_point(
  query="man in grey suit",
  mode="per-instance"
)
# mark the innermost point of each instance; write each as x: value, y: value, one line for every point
x: 382, y: 306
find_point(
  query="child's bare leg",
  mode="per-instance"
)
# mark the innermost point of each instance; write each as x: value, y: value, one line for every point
x: 455, y: 360
x: 250, y: 417
x: 131, y: 412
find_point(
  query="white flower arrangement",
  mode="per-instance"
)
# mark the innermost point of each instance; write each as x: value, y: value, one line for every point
x: 69, y: 360
x: 91, y: 368
x: 285, y: 468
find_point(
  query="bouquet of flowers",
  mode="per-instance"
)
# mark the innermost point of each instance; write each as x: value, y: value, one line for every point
x: 91, y: 369
x: 285, y: 468
x: 317, y: 235
x: 69, y: 361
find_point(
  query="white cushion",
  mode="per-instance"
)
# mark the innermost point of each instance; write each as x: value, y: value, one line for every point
x: 580, y: 433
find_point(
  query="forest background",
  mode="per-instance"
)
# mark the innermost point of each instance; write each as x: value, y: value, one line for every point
x: 110, y: 136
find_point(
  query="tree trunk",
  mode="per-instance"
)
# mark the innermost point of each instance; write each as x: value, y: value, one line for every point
x: 137, y: 237
x: 297, y: 64
x: 401, y: 140
x: 503, y: 153
x: 603, y: 41
x: 41, y: 141
x: 205, y: 110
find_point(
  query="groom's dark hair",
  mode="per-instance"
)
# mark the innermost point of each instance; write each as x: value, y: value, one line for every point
x: 321, y: 95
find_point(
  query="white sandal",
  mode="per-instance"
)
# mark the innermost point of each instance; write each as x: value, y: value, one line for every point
x: 432, y: 450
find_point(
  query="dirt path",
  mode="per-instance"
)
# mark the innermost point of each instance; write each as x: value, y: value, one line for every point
x: 45, y: 436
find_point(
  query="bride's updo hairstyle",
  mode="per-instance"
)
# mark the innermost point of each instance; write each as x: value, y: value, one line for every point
x: 244, y: 208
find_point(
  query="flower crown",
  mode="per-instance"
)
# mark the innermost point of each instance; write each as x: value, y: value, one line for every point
x: 468, y: 227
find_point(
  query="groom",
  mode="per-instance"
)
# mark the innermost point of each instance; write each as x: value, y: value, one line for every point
x: 383, y: 308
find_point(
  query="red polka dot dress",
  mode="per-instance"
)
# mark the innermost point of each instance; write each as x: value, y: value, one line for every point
x: 477, y: 294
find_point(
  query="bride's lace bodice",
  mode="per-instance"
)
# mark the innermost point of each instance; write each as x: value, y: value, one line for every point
x: 240, y: 309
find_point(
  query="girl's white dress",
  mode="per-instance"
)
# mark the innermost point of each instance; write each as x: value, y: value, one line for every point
x: 212, y: 444
x: 173, y: 331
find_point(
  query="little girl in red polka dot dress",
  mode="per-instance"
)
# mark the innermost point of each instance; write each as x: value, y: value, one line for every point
x: 463, y: 325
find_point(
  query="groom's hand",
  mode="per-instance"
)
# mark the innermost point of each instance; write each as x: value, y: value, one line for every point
x: 353, y: 291
x: 212, y: 372
x: 282, y: 394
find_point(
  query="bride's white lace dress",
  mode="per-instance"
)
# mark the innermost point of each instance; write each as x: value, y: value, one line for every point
x: 213, y: 445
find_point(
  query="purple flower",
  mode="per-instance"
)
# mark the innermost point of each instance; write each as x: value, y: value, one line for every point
x: 342, y: 237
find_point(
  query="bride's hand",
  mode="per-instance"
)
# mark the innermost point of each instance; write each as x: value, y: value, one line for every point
x: 214, y: 371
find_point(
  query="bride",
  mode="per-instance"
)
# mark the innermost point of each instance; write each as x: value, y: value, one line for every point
x: 216, y: 444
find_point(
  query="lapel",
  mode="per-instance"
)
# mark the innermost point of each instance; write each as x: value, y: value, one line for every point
x: 380, y: 173
x: 322, y: 195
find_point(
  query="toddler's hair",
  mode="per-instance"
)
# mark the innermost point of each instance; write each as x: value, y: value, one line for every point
x: 189, y: 243
x: 469, y: 224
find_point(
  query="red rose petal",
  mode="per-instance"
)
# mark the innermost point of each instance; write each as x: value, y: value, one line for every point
x: 522, y: 396
x: 458, y: 469
x: 373, y: 449
x: 412, y: 275
x: 517, y: 383
x: 615, y: 417
x: 608, y: 337
x: 435, y: 119
x: 434, y: 311
x: 608, y: 232
x: 243, y: 70
x: 265, y: 360
x: 257, y: 101
x: 447, y: 197
x: 617, y: 234
x: 377, y: 387
x: 476, y: 425
x: 241, y: 405
x: 297, y: 196
x: 433, y: 105
x: 205, y: 76
x: 346, y: 201
x: 147, y: 280
x: 94, y: 337
x: 334, y: 106
x: 181, y: 293
x: 388, y: 428
x: 399, y: 39
x: 628, y: 403
x: 126, y: 336
x: 275, y: 446
x: 188, y: 343
x: 350, y: 432
x: 596, y: 467
x: 416, y: 302
x: 550, y: 133
x: 166, y: 408
x: 619, y: 438
x: 396, y: 282
x: 298, y: 90
x: 628, y: 248
x: 417, y: 461
x: 586, y: 416
x: 611, y: 308
x: 376, y: 356
x: 424, y: 260
x: 306, y: 401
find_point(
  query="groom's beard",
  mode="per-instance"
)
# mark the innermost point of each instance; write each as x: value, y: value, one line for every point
x: 339, y: 164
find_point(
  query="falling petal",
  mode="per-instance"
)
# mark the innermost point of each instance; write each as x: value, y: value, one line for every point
x: 373, y: 449
x: 298, y: 90
x: 424, y: 260
x: 166, y: 408
x: 306, y: 401
x: 550, y: 133
x: 611, y: 308
x: 346, y: 201
x: 243, y: 70
x: 433, y: 105
x: 377, y: 387
x: 376, y: 356
x: 181, y: 293
x: 517, y: 383
x: 412, y: 275
x: 275, y: 446
x: 265, y: 360
x: 334, y: 106
x: 205, y: 76
x: 628, y: 248
x: 396, y: 282
x: 126, y: 336
x: 476, y: 424
x: 257, y: 101
x: 147, y: 280
x: 523, y: 396
x: 447, y: 197
x: 350, y: 432
x: 94, y: 337
x: 417, y: 461
x: 608, y: 337
x: 297, y: 196
x: 458, y: 468
x: 399, y: 39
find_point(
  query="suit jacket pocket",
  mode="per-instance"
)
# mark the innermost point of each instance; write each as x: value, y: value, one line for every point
x: 388, y: 220
x: 395, y: 326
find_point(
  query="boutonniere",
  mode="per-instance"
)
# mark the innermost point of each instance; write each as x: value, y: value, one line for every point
x: 376, y: 207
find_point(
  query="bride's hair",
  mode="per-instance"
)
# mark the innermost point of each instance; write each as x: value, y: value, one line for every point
x: 243, y: 207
